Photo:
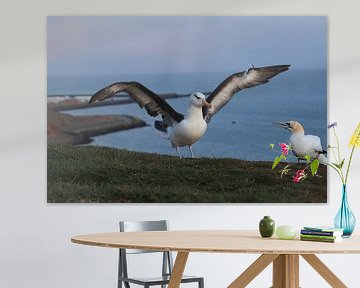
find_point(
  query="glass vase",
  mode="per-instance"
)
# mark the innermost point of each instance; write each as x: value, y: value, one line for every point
x: 345, y: 219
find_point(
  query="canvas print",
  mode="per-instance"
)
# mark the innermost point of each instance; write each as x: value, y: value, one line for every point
x: 186, y: 109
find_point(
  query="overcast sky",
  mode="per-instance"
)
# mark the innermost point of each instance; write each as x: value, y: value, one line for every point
x: 116, y: 45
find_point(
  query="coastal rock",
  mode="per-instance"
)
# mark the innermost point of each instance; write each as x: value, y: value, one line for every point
x: 67, y: 129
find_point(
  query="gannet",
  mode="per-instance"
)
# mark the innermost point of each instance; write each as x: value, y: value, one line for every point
x: 185, y: 130
x: 302, y: 144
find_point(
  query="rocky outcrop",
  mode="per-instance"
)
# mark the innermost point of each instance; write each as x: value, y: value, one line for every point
x: 67, y: 129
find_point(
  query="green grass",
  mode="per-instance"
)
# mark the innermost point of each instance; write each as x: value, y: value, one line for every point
x: 87, y: 174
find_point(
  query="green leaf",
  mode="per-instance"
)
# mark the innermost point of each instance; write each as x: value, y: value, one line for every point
x: 276, y: 162
x: 285, y: 170
x: 308, y: 158
x: 339, y: 166
x: 314, y: 166
x: 342, y: 163
x: 272, y: 146
x: 336, y: 165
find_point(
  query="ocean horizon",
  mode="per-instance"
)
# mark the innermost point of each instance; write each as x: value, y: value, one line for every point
x: 243, y: 129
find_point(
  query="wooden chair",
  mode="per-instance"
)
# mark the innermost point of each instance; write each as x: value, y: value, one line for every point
x: 167, y: 262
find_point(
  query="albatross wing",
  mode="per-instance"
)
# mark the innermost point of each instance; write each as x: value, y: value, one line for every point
x: 239, y: 81
x: 147, y: 99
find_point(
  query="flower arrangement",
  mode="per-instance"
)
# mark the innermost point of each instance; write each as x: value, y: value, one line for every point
x: 312, y: 165
x: 339, y: 163
x: 344, y: 218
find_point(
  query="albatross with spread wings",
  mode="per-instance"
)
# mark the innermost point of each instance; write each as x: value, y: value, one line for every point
x: 185, y: 130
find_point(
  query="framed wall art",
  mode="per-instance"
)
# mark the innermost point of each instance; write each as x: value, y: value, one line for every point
x: 187, y: 109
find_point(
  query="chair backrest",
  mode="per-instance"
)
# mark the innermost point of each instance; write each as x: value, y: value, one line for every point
x: 134, y: 226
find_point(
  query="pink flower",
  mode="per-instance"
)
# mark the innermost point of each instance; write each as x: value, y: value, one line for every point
x: 300, y: 174
x: 284, y: 148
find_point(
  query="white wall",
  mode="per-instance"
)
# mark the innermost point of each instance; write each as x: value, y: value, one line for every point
x: 35, y: 248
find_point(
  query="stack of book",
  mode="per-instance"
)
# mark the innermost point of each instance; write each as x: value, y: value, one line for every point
x: 321, y: 234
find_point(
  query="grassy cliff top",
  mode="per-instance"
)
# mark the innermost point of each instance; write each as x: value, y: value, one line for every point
x: 88, y: 174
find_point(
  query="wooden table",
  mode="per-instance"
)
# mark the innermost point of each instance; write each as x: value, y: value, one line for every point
x: 284, y: 254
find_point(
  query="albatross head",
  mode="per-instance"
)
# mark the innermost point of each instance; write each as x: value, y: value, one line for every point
x: 198, y: 100
x: 293, y: 126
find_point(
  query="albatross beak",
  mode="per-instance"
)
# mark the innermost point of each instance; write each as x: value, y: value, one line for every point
x: 282, y: 125
x: 206, y: 104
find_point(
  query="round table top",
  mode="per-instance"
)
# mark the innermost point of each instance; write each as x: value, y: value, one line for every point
x: 220, y: 241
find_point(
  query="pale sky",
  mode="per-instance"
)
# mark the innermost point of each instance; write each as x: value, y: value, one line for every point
x: 84, y: 45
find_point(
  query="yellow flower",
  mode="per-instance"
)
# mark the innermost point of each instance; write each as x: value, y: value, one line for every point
x: 355, y: 138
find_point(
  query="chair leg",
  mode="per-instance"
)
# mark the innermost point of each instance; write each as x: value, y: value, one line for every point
x: 120, y: 270
x: 201, y: 283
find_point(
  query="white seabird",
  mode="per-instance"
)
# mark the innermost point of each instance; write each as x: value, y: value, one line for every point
x: 185, y: 130
x: 302, y: 144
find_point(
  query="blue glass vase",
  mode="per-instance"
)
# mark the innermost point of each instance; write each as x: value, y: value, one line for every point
x: 345, y: 219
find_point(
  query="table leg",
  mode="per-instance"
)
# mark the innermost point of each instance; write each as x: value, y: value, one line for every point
x: 253, y: 270
x: 324, y: 271
x: 286, y: 271
x: 178, y: 270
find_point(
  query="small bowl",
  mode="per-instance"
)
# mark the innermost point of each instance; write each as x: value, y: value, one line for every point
x: 285, y: 232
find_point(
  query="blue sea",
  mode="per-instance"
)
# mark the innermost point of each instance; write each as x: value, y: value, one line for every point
x: 243, y: 129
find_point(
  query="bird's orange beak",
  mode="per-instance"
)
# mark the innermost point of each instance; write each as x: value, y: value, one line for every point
x: 206, y: 104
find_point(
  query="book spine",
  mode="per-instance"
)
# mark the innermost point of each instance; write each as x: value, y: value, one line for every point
x: 319, y: 236
x: 318, y: 239
x: 320, y: 233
